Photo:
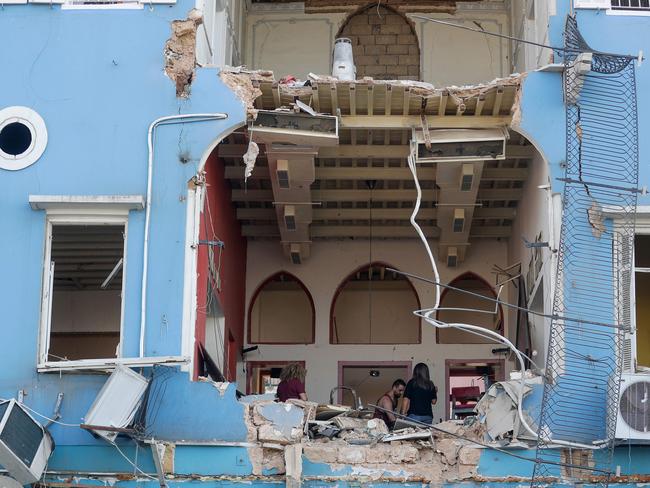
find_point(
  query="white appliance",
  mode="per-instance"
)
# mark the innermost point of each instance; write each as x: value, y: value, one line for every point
x: 459, y: 145
x: 117, y: 401
x: 25, y: 445
x: 633, y: 407
x: 343, y: 66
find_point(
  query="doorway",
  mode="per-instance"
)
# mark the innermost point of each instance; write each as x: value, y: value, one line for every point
x: 370, y: 380
x: 467, y: 380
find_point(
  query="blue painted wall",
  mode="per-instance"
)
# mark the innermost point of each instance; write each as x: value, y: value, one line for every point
x: 542, y: 105
x: 97, y: 79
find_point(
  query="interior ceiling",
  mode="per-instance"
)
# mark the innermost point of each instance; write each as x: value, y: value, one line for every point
x: 371, y: 148
x: 84, y: 256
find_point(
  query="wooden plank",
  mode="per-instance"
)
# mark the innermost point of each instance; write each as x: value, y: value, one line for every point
x: 252, y: 196
x: 505, y: 194
x: 256, y: 214
x: 275, y: 90
x: 269, y: 214
x: 383, y: 231
x: 480, y: 102
x: 495, y: 213
x: 353, y: 99
x: 260, y: 231
x: 371, y: 100
x: 389, y: 99
x: 372, y: 173
x: 407, y: 100
x: 335, y: 99
x: 496, y: 109
x: 315, y: 98
x: 505, y: 174
x: 434, y: 122
x: 363, y: 195
x: 351, y: 151
x: 442, y: 104
x: 491, y: 231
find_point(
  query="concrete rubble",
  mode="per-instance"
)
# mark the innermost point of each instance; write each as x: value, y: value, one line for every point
x: 285, y: 439
x: 180, y: 52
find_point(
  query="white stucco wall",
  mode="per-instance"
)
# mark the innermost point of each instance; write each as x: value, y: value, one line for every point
x: 290, y: 42
x: 534, y: 215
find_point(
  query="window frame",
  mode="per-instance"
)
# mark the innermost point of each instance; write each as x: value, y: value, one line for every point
x: 607, y: 6
x: 56, y: 217
x: 89, y: 207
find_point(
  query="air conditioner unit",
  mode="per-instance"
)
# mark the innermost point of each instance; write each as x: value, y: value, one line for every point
x: 25, y: 445
x: 633, y: 407
x: 459, y: 145
x: 117, y: 402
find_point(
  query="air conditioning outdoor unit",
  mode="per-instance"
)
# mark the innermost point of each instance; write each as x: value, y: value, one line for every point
x: 25, y: 445
x: 117, y: 402
x: 459, y: 145
x: 633, y: 407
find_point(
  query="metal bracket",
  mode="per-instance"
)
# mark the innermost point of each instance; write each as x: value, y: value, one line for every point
x: 57, y: 410
x: 158, y: 450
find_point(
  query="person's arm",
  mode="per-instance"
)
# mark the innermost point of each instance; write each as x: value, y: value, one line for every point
x: 434, y: 400
x: 387, y: 405
x: 406, y: 401
x: 302, y: 394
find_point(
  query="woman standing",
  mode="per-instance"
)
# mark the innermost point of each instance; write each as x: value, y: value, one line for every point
x: 420, y: 395
x: 292, y: 382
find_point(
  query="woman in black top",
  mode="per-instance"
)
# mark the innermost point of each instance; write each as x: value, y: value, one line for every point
x: 420, y: 395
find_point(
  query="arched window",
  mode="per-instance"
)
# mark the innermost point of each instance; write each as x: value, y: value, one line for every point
x: 375, y: 306
x: 384, y: 44
x: 479, y: 310
x: 281, y: 312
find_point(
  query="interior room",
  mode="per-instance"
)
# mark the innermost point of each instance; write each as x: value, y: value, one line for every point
x: 334, y: 267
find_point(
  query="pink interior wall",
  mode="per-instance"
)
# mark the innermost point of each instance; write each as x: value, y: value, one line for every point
x: 225, y: 226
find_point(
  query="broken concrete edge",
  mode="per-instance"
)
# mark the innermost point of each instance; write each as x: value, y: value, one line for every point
x: 245, y: 84
x: 180, y: 52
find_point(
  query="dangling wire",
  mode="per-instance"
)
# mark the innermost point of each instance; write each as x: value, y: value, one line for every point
x: 428, y: 316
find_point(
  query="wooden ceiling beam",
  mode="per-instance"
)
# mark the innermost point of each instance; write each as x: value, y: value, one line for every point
x: 350, y: 151
x: 506, y: 194
x: 364, y: 173
x: 434, y: 121
x: 269, y: 214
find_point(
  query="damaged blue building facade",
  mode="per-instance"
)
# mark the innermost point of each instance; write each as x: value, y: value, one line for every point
x: 128, y: 233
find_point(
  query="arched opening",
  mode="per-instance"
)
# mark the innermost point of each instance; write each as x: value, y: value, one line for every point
x: 281, y: 312
x: 466, y: 308
x: 375, y: 306
x: 384, y: 43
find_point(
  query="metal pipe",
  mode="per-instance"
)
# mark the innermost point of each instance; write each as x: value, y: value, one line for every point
x: 168, y: 119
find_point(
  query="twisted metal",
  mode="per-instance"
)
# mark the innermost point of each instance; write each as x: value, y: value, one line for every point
x: 591, y: 305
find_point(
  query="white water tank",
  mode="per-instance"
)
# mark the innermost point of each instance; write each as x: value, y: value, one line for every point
x: 343, y: 66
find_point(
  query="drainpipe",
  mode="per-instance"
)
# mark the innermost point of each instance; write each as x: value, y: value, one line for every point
x: 166, y: 120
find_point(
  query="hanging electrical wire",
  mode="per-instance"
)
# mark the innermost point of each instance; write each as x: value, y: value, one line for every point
x: 515, y: 39
x: 427, y: 315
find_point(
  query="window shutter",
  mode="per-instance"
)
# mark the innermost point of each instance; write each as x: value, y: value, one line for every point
x: 606, y: 4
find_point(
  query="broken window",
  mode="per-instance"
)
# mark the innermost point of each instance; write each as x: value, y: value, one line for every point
x: 375, y: 306
x: 281, y: 312
x: 83, y: 289
x: 642, y: 293
x: 465, y: 308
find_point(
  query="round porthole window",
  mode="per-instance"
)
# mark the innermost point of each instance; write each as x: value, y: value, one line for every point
x: 23, y: 137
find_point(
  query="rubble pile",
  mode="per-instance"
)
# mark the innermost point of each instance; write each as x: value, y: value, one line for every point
x: 350, y: 442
